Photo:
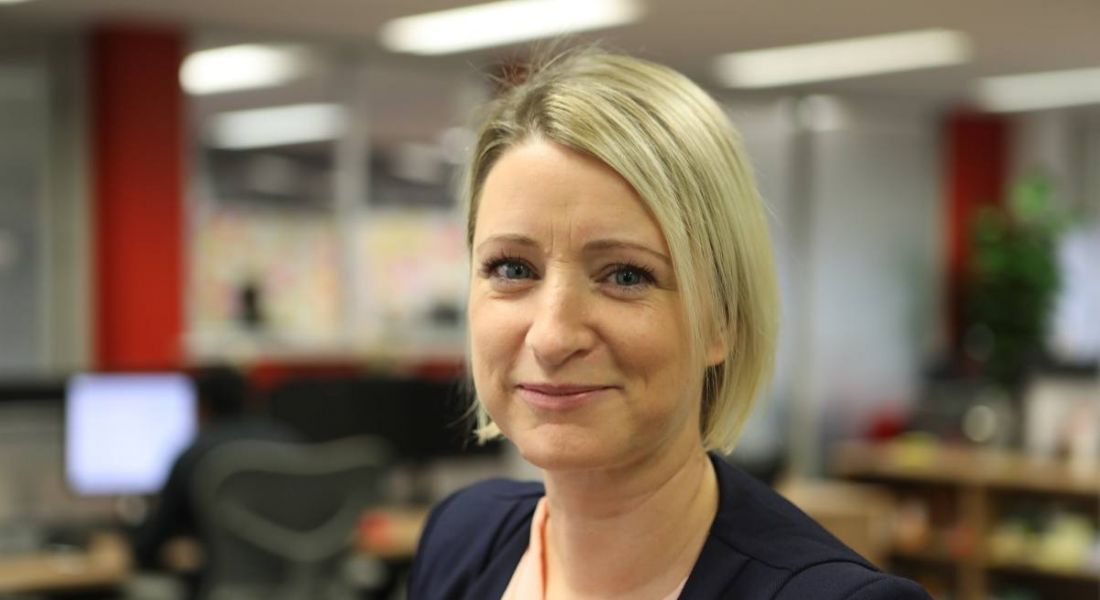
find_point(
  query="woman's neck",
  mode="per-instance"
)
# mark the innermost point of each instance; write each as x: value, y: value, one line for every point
x: 632, y: 532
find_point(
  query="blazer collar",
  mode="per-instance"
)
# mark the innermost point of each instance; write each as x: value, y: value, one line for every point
x: 507, y: 551
x: 716, y: 565
x: 711, y: 570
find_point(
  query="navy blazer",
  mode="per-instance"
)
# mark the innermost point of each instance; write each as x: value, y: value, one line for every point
x: 760, y: 546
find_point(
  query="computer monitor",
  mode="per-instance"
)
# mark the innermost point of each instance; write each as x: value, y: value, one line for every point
x: 124, y: 431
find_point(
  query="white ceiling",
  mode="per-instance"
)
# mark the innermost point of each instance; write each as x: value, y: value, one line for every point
x: 1009, y: 36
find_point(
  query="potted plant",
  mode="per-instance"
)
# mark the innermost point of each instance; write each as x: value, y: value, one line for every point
x: 1014, y: 280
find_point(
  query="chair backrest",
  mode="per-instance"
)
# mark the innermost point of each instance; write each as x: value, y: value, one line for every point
x: 277, y: 517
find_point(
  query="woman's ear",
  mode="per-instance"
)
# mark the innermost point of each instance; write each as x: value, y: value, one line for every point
x: 717, y: 349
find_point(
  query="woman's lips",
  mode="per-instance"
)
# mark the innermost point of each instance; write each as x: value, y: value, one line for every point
x: 559, y: 397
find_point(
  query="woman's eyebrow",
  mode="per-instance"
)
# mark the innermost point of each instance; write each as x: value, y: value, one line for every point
x: 509, y: 238
x: 613, y: 244
x: 601, y: 245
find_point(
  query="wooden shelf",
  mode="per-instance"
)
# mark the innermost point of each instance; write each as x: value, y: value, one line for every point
x: 964, y: 466
x: 1029, y: 569
x: 974, y: 481
x: 943, y: 558
x: 929, y: 555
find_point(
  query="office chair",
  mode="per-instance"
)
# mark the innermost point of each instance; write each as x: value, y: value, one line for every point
x: 277, y: 518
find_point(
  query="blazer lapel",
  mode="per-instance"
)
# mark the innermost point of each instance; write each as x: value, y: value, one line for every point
x: 491, y: 583
x: 717, y: 566
x: 714, y: 571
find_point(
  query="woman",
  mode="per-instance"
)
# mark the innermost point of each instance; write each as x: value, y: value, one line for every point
x: 622, y: 318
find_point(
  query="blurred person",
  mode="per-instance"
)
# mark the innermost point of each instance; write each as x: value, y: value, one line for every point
x: 622, y: 319
x: 162, y: 540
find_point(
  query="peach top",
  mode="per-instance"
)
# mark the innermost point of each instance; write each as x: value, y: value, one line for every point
x: 529, y: 579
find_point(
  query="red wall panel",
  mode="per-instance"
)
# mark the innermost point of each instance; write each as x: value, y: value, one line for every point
x: 976, y: 170
x: 137, y: 186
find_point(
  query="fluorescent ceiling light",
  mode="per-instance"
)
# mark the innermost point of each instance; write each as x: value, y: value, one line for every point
x: 500, y: 23
x: 1034, y: 91
x: 842, y: 59
x: 240, y: 67
x: 277, y: 126
x: 13, y: 1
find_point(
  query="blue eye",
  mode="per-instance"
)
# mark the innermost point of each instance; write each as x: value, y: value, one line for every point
x: 631, y: 276
x: 512, y: 270
x: 628, y: 277
x: 507, y: 269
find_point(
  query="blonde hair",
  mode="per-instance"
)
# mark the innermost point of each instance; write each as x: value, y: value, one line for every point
x: 672, y: 143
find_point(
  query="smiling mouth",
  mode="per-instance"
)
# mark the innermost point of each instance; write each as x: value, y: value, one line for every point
x: 559, y: 397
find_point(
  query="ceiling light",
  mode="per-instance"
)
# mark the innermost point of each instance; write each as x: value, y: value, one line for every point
x: 842, y: 59
x: 240, y: 67
x: 277, y: 126
x: 13, y: 1
x: 500, y: 23
x: 1034, y: 91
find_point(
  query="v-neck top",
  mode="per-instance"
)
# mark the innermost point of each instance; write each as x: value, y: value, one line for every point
x: 529, y: 579
x: 759, y: 547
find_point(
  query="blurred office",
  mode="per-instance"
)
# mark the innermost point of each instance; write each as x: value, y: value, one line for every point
x: 272, y: 186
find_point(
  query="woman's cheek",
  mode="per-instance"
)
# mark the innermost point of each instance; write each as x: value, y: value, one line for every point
x: 495, y: 343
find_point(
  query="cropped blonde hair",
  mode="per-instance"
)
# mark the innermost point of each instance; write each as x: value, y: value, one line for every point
x: 672, y: 143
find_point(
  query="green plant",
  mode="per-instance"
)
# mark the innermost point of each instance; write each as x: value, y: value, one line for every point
x: 1014, y: 280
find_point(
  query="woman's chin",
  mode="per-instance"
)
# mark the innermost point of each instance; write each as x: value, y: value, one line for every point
x: 562, y: 451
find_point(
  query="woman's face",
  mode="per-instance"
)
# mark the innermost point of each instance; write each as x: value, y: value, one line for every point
x: 579, y: 347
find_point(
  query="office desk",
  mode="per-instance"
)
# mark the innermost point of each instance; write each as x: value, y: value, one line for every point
x: 389, y: 534
x: 104, y: 563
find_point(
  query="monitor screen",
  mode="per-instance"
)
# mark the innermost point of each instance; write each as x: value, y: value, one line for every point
x: 124, y: 431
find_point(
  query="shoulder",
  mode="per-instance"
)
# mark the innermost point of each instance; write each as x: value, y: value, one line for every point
x: 478, y: 510
x: 782, y: 549
x: 848, y: 581
x: 755, y: 521
x: 464, y: 530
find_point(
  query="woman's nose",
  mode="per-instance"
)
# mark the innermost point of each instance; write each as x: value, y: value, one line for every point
x: 560, y: 328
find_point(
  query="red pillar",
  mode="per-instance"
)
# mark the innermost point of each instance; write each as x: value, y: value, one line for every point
x: 977, y: 160
x: 137, y: 187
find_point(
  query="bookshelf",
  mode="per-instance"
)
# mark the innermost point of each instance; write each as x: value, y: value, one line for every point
x: 968, y: 494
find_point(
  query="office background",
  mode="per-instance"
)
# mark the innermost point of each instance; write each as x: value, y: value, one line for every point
x: 306, y: 229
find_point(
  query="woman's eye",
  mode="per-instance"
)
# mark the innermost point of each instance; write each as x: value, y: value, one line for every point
x: 511, y: 270
x: 627, y: 276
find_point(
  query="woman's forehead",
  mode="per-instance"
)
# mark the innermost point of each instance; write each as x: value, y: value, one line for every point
x: 542, y: 190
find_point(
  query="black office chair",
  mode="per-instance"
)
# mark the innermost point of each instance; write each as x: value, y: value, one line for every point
x: 277, y: 518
